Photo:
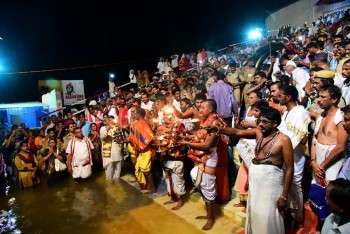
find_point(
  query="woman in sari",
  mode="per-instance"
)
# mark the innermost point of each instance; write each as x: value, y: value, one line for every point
x: 48, y: 157
x: 96, y: 152
x: 26, y: 165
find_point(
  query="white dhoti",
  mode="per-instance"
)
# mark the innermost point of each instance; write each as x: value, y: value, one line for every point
x: 322, y: 152
x: 81, y: 171
x: 113, y: 170
x: 296, y: 200
x: 113, y: 163
x: 176, y: 169
x: 265, y: 187
x: 207, y: 185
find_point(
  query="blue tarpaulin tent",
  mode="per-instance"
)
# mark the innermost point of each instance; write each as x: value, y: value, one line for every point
x: 24, y: 112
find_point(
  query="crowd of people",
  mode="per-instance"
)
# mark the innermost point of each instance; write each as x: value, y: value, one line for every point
x: 288, y: 122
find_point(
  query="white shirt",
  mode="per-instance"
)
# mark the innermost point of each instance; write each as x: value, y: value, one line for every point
x: 148, y: 106
x: 161, y: 67
x: 174, y: 61
x: 331, y: 226
x: 132, y: 78
x: 294, y: 124
x: 81, y: 151
x: 276, y: 68
x: 111, y: 86
x: 177, y: 105
x: 301, y: 77
x: 113, y: 112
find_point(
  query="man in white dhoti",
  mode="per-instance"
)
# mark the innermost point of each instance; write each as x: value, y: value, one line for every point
x: 268, y: 184
x: 79, y: 160
x: 203, y: 153
x: 111, y: 150
x: 329, y: 142
x: 294, y: 124
x: 172, y: 156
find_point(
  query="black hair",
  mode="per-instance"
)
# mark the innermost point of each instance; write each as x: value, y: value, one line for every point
x: 291, y: 91
x: 316, y: 69
x: 76, y: 129
x: 334, y: 92
x: 290, y: 52
x: 53, y: 139
x: 145, y: 93
x: 201, y: 87
x: 260, y: 105
x: 160, y: 97
x: 21, y: 144
x: 258, y: 94
x: 200, y: 96
x: 326, y: 82
x: 177, y: 89
x: 219, y: 75
x: 187, y: 101
x: 278, y: 83
x: 140, y: 111
x: 261, y: 74
x: 271, y: 114
x: 311, y: 45
x: 50, y: 130
x: 340, y: 194
x: 283, y: 58
x: 346, y: 109
x: 137, y: 100
x: 212, y: 104
x: 346, y: 61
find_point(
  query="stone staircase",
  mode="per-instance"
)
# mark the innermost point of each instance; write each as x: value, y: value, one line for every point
x: 229, y: 219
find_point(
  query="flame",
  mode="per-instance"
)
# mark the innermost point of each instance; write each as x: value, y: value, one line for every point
x: 169, y: 110
x: 194, y: 120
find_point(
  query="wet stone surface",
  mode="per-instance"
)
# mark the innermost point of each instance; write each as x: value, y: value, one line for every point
x: 93, y: 206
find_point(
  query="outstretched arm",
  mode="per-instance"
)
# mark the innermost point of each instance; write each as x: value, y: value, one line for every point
x: 239, y: 133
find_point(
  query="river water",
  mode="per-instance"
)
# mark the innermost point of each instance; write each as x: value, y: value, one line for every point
x: 93, y: 206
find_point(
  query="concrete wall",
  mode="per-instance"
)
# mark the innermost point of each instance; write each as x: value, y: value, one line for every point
x: 297, y: 14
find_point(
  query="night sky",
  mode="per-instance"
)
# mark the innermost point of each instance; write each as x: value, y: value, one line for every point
x: 39, y: 35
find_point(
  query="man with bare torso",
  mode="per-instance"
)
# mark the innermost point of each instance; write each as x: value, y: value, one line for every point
x: 172, y: 156
x: 330, y: 137
x: 268, y: 183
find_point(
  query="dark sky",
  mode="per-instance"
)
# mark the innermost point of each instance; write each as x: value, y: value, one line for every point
x: 51, y: 34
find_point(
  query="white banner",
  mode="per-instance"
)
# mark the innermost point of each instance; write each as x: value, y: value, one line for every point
x: 73, y: 91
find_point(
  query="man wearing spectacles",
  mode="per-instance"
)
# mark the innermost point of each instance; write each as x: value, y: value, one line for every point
x: 268, y: 183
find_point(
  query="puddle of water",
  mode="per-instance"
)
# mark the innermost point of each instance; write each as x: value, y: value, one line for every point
x: 94, y: 206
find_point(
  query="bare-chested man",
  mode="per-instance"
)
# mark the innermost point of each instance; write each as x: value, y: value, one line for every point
x: 330, y: 137
x: 268, y: 184
x: 172, y: 156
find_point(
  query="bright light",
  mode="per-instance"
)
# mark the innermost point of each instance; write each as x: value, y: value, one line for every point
x: 255, y: 34
x: 111, y: 75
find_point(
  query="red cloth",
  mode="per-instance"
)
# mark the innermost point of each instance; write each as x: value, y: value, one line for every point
x: 221, y: 173
x: 140, y: 135
x: 123, y: 116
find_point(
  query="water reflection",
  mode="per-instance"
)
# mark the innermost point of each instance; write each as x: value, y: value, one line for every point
x: 94, y: 206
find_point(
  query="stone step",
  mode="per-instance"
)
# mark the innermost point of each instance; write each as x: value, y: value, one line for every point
x: 234, y: 214
x: 228, y: 219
